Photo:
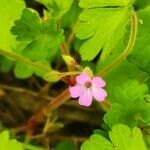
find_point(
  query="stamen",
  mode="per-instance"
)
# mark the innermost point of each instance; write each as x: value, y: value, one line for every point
x: 88, y: 84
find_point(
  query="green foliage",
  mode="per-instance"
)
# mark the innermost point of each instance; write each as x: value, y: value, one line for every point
x: 141, y: 54
x: 103, y: 3
x: 146, y: 133
x: 23, y: 71
x: 125, y: 71
x: 9, y: 12
x: 65, y: 145
x: 57, y: 8
x: 39, y: 40
x: 43, y: 37
x: 71, y: 16
x: 9, y: 144
x: 34, y: 39
x: 6, y: 64
x: 142, y: 3
x: 128, y: 105
x: 12, y: 144
x: 101, y: 26
x: 122, y: 138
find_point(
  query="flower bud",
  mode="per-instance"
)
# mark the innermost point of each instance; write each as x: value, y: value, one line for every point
x: 53, y: 76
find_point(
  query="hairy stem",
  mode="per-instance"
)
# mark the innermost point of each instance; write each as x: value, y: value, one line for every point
x: 64, y: 46
x: 28, y: 62
x: 128, y: 49
x: 63, y: 74
x: 24, y: 60
x: 64, y: 49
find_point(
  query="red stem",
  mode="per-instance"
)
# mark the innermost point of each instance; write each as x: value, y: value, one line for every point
x: 56, y: 102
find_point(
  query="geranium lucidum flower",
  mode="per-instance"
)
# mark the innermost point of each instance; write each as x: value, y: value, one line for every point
x: 86, y: 88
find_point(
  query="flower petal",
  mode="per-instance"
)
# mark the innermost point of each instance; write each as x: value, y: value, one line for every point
x: 75, y: 91
x: 82, y: 78
x: 98, y: 82
x: 99, y: 94
x: 85, y: 98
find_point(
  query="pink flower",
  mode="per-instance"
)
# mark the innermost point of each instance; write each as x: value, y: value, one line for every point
x: 86, y: 88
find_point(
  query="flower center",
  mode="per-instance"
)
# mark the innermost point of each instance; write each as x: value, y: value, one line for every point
x: 88, y: 84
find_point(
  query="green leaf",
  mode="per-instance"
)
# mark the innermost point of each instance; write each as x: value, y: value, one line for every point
x: 124, y: 72
x: 57, y: 7
x: 39, y: 40
x: 31, y: 147
x: 44, y: 37
x: 97, y: 142
x: 102, y: 28
x: 146, y: 133
x: 9, y: 144
x: 45, y: 63
x: 12, y: 144
x: 9, y: 12
x: 65, y: 145
x: 104, y: 3
x: 129, y: 105
x: 142, y: 4
x: 127, y: 139
x: 141, y: 54
x: 23, y: 71
x: 122, y: 138
x: 28, y: 26
x: 71, y: 17
x: 5, y: 64
x: 111, y: 57
x: 129, y: 92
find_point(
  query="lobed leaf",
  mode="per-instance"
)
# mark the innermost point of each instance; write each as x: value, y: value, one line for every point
x: 9, y: 12
x: 39, y: 40
x: 57, y: 8
x: 122, y: 138
x: 104, y: 3
x: 129, y: 105
x: 102, y: 27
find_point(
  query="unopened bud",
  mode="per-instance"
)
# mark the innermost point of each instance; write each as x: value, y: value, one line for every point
x: 53, y: 76
x: 68, y: 60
